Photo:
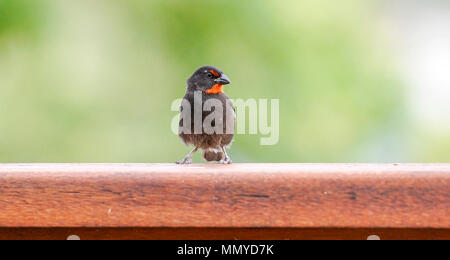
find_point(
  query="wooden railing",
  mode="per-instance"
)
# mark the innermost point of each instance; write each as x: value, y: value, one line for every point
x: 239, y: 201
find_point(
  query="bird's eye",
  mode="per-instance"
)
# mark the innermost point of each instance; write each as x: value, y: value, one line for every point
x: 213, y: 74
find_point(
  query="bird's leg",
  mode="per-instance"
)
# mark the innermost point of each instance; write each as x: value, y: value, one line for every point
x: 226, y: 159
x: 188, y: 158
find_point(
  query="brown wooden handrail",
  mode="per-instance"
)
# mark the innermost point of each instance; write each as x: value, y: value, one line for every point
x: 294, y: 196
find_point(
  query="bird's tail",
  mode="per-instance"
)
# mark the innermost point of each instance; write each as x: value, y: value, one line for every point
x: 212, y: 155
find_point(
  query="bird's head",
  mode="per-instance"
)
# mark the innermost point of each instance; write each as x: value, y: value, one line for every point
x: 209, y: 79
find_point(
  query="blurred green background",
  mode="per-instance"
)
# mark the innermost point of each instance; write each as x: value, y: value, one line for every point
x: 93, y: 81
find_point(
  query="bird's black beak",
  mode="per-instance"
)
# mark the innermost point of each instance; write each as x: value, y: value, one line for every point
x: 223, y: 80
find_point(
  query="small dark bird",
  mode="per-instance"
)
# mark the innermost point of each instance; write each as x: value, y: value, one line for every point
x: 205, y: 84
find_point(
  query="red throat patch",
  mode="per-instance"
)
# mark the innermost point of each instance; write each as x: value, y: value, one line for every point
x: 216, y: 89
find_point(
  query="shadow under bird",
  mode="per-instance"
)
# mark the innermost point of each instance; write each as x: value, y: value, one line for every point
x: 203, y: 87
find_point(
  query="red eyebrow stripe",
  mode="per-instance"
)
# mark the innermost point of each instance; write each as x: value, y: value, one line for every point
x: 215, y: 73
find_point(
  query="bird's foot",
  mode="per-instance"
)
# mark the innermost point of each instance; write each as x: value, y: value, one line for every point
x: 226, y: 160
x: 186, y: 160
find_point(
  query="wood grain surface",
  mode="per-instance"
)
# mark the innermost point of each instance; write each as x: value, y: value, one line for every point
x: 221, y: 234
x: 225, y: 196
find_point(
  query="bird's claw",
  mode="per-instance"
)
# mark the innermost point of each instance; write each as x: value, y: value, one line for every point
x: 227, y: 160
x: 185, y: 161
